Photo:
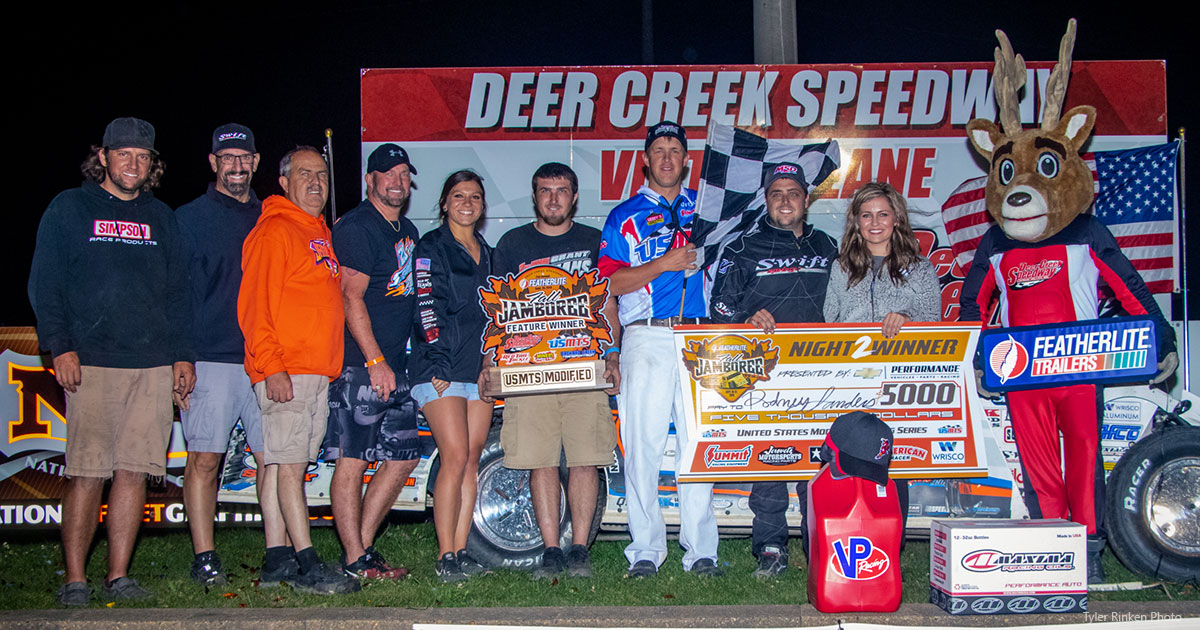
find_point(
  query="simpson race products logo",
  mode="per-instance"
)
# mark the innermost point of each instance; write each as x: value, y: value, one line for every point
x: 730, y: 364
x: 717, y: 457
x: 401, y: 281
x: 1025, y: 275
x: 1008, y: 359
x: 545, y: 312
x: 323, y: 255
x: 988, y: 560
x: 776, y: 456
x: 858, y: 558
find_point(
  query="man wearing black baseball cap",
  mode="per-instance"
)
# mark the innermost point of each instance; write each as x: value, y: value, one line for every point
x: 372, y: 418
x: 109, y: 288
x: 793, y: 292
x: 214, y: 225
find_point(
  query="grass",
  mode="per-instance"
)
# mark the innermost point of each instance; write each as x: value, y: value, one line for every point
x: 33, y: 570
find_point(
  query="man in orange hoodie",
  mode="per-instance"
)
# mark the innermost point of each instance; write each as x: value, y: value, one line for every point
x: 290, y: 312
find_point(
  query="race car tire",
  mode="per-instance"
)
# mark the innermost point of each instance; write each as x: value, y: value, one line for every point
x: 1153, y: 505
x: 504, y: 532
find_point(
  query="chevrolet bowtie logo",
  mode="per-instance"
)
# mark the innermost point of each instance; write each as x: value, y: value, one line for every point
x: 868, y: 373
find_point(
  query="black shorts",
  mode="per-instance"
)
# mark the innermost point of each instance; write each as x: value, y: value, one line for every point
x: 361, y: 426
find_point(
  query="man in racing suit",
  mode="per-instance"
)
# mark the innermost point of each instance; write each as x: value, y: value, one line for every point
x: 776, y: 272
x: 644, y: 252
x: 1048, y: 282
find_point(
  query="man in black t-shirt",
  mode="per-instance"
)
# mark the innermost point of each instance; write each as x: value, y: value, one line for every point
x: 371, y: 416
x: 539, y: 428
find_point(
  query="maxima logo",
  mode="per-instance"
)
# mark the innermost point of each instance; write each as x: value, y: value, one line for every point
x: 958, y: 606
x: 987, y: 560
x: 1023, y: 604
x: 987, y: 605
x: 1060, y: 603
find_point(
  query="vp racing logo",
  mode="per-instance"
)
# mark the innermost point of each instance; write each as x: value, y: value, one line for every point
x: 1008, y: 359
x: 730, y: 364
x: 988, y: 560
x: 858, y: 558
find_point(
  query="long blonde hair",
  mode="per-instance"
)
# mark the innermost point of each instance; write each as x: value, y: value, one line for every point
x: 904, y: 250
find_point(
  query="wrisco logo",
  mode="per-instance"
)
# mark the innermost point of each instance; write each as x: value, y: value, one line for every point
x: 717, y: 457
x: 1008, y: 359
x: 858, y: 558
x: 988, y: 560
x: 1025, y: 275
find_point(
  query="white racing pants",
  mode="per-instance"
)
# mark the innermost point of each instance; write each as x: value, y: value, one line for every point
x: 650, y: 399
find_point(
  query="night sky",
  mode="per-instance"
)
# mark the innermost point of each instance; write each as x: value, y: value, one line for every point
x: 291, y: 71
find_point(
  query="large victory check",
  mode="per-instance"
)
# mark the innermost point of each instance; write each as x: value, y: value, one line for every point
x: 759, y: 406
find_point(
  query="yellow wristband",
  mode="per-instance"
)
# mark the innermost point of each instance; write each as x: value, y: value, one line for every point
x: 376, y: 361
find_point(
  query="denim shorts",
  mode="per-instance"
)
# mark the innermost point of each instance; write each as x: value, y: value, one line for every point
x: 425, y: 392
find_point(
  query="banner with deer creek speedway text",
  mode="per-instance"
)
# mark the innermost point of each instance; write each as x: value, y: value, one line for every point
x: 758, y: 405
x: 900, y: 123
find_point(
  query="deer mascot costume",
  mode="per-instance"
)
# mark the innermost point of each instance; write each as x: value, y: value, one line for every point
x: 1045, y: 258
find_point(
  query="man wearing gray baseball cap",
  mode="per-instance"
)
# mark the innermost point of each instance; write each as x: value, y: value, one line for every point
x: 109, y: 288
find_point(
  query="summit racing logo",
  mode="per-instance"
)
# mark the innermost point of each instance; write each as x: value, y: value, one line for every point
x: 717, y: 457
x: 988, y: 560
x: 730, y: 364
x: 776, y: 456
x: 1025, y: 275
x: 1008, y: 359
x: 552, y: 314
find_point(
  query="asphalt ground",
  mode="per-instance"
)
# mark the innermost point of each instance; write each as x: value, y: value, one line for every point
x: 911, y: 615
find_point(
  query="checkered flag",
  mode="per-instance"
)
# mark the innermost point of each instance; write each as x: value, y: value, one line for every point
x: 731, y: 198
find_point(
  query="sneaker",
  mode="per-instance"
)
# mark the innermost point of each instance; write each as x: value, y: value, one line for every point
x: 470, y: 565
x: 579, y: 563
x: 706, y: 567
x: 448, y: 569
x: 642, y: 568
x: 73, y: 594
x: 206, y: 569
x: 772, y: 562
x: 553, y: 563
x: 323, y: 580
x: 284, y: 573
x: 372, y: 566
x: 124, y: 588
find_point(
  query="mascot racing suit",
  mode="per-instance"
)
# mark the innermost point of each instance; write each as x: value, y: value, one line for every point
x: 1048, y: 282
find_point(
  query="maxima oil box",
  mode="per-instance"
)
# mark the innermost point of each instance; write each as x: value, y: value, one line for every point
x: 1008, y: 566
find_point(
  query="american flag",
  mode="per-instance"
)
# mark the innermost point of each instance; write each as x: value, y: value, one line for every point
x: 731, y: 198
x: 1135, y: 198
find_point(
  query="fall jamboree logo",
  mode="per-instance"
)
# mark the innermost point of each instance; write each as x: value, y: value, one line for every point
x: 545, y: 315
x: 730, y: 364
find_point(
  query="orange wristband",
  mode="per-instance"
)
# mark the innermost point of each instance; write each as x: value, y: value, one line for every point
x: 376, y: 361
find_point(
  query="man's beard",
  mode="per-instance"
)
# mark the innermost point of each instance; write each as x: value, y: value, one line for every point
x: 116, y: 180
x: 556, y: 220
x: 235, y: 188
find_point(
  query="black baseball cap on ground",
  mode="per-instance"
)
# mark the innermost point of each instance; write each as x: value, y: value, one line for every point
x: 387, y: 157
x: 233, y: 136
x: 859, y: 444
x: 129, y: 132
x: 667, y: 129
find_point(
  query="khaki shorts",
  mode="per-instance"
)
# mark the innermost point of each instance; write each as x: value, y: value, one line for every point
x: 293, y: 431
x: 538, y: 428
x: 119, y: 419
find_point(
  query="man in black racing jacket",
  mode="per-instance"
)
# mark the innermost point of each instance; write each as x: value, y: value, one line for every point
x: 776, y: 272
